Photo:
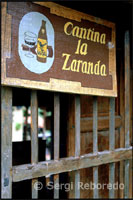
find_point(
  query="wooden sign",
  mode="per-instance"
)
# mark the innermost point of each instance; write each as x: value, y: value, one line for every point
x: 50, y: 47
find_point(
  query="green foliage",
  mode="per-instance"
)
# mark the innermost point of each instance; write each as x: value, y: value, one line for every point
x: 18, y: 126
x: 48, y: 141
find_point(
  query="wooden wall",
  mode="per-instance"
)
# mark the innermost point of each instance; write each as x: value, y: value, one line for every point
x: 103, y: 132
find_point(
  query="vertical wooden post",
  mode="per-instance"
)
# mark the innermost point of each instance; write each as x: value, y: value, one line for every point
x: 6, y: 142
x: 34, y: 137
x: 122, y: 129
x: 56, y: 138
x: 127, y: 112
x: 95, y: 145
x: 77, y: 143
x: 112, y: 144
x: 131, y: 135
x: 71, y: 141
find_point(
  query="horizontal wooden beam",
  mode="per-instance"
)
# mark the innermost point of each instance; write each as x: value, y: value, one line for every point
x: 103, y: 123
x: 87, y: 123
x: 45, y: 168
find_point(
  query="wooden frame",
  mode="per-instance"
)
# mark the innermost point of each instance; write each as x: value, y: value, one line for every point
x: 54, y: 167
x: 57, y: 84
x: 127, y: 111
x: 29, y: 171
x: 6, y: 143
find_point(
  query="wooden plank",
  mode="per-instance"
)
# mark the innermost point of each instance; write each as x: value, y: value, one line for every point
x: 127, y: 89
x: 126, y: 188
x: 103, y: 123
x: 95, y: 145
x: 34, y: 136
x: 56, y: 125
x: 130, y: 178
x: 3, y: 22
x: 131, y: 135
x: 77, y: 125
x: 46, y: 168
x: 112, y: 124
x: 71, y: 140
x: 77, y: 143
x: 6, y: 38
x: 127, y: 109
x: 73, y: 14
x: 122, y: 128
x: 95, y: 122
x: 95, y: 181
x: 6, y: 142
x: 54, y: 85
x: 56, y: 138
x: 112, y: 144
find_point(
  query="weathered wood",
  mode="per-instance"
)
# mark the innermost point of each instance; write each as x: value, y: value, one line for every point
x: 46, y: 168
x: 95, y: 125
x: 103, y: 107
x: 121, y: 178
x: 112, y: 144
x: 77, y: 143
x: 6, y: 37
x: 56, y: 138
x: 131, y: 134
x: 127, y: 109
x: 122, y: 128
x: 56, y: 190
x: 103, y: 123
x: 6, y: 142
x: 71, y: 140
x: 57, y: 84
x: 3, y: 22
x: 127, y: 89
x: 95, y: 145
x: 103, y: 140
x: 73, y: 14
x: 56, y: 125
x: 95, y: 181
x: 126, y: 188
x: 112, y: 124
x: 130, y: 178
x: 34, y: 136
x: 77, y: 125
x: 77, y: 181
x: 112, y: 179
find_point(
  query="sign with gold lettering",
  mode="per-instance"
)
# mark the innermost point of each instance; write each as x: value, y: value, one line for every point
x: 50, y: 47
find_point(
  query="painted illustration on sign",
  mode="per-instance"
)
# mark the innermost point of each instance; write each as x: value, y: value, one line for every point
x: 36, y: 42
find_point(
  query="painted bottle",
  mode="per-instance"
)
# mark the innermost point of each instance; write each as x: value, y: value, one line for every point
x: 42, y: 43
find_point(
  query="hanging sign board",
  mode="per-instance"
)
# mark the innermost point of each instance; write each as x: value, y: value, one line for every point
x: 51, y: 47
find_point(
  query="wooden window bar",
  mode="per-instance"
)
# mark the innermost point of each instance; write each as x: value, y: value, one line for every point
x: 95, y: 146
x: 127, y: 112
x: 6, y: 142
x: 77, y: 143
x: 34, y: 137
x: 112, y: 144
x: 56, y: 138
